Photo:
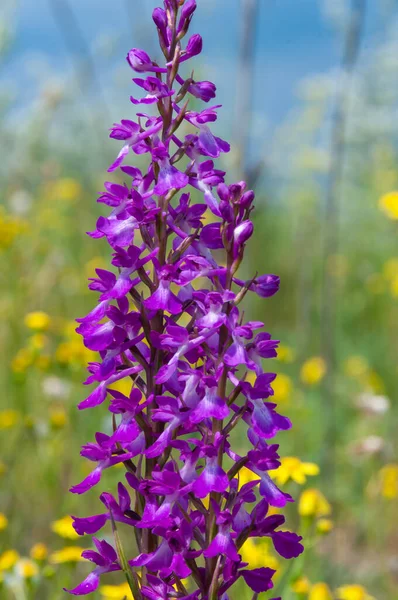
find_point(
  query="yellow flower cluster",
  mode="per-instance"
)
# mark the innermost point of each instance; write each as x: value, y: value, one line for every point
x: 10, y: 228
x: 321, y: 591
x: 9, y: 418
x: 286, y: 354
x: 63, y: 527
x: 38, y: 321
x: 69, y: 554
x: 3, y: 522
x: 39, y: 552
x: 293, y: 469
x: 258, y: 554
x: 65, y: 189
x: 313, y: 503
x: 8, y: 559
x: 388, y: 204
x: 37, y: 352
x: 71, y: 352
x: 282, y: 387
x: 313, y: 370
x: 390, y: 274
x: 389, y: 481
x: 116, y: 592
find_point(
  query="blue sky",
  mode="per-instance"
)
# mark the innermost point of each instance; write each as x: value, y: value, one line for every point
x: 294, y: 40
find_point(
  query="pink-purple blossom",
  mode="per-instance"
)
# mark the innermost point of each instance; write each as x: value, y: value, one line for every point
x: 169, y: 322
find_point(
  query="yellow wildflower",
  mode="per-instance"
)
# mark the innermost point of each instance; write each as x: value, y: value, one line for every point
x: 286, y: 354
x: 292, y: 468
x: 246, y: 475
x: 389, y: 481
x: 313, y: 504
x: 94, y: 263
x: 251, y: 377
x: 74, y: 353
x: 8, y: 559
x: 394, y: 287
x: 66, y: 555
x: 301, y: 586
x: 324, y: 526
x: 390, y: 268
x: 27, y: 568
x: 39, y: 552
x: 208, y: 217
x: 38, y: 321
x: 3, y: 468
x: 3, y: 522
x: 320, y: 591
x: 116, y: 592
x: 353, y: 592
x: 258, y: 554
x: 63, y: 527
x: 43, y: 362
x: 22, y: 360
x: 66, y: 189
x: 313, y: 370
x: 282, y: 387
x: 375, y: 382
x: 123, y: 386
x: 58, y: 418
x: 388, y: 204
x: 356, y: 366
x: 8, y: 418
x: 10, y: 228
x: 38, y: 341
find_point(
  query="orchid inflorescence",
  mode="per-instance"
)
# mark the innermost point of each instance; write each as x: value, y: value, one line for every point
x: 169, y: 322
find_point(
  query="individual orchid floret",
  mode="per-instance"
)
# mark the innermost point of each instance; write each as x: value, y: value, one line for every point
x: 179, y: 366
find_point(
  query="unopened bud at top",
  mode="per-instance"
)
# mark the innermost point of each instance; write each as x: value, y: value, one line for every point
x: 160, y: 19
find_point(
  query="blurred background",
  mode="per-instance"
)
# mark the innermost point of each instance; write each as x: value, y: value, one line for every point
x: 310, y: 102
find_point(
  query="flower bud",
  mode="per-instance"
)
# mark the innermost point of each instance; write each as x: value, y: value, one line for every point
x: 160, y: 19
x: 194, y: 46
x: 243, y: 232
x: 247, y: 199
x: 204, y: 90
x: 139, y: 60
x: 186, y: 15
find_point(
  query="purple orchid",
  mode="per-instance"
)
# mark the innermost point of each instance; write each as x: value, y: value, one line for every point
x: 168, y: 320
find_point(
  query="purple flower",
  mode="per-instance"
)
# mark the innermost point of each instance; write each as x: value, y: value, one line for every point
x: 141, y: 62
x: 102, y: 454
x: 259, y: 580
x: 106, y: 561
x: 168, y: 327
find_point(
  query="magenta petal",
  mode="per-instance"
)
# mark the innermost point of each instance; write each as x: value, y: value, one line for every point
x: 211, y: 406
x: 287, y: 544
x: 90, y: 584
x: 166, y: 372
x: 163, y: 299
x: 170, y: 178
x: 87, y: 483
x: 89, y: 525
x: 272, y: 493
x: 259, y: 580
x: 222, y: 545
x: 120, y: 158
x: 212, y: 479
x: 96, y: 397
